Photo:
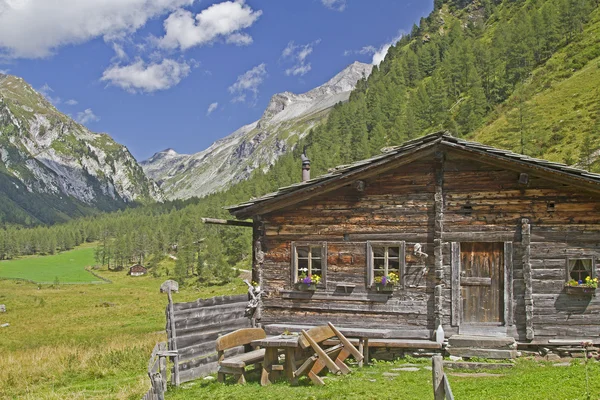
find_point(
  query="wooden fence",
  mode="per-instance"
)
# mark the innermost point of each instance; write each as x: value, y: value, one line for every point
x: 157, y: 371
x: 193, y: 328
x: 441, y: 386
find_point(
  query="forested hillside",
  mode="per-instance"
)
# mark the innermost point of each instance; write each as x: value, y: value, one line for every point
x: 521, y: 75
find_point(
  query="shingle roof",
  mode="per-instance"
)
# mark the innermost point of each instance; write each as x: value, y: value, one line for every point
x: 396, y: 152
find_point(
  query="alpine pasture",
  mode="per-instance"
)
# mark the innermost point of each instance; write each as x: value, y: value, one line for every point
x: 81, y: 341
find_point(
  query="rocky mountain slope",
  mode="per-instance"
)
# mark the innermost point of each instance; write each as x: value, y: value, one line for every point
x: 287, y: 118
x: 52, y: 168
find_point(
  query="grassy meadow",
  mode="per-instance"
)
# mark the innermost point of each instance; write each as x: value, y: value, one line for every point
x: 529, y: 379
x: 67, y: 267
x: 81, y: 341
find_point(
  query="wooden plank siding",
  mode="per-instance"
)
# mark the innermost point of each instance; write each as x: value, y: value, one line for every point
x: 482, y: 201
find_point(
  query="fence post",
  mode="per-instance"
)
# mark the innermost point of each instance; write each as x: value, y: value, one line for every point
x: 169, y: 286
x: 437, y: 369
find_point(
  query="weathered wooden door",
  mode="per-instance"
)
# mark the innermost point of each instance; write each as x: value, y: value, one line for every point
x: 482, y: 282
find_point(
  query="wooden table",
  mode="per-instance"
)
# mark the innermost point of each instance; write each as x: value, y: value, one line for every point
x: 271, y: 366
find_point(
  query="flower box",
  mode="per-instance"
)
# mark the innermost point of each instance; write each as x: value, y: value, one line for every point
x: 580, y: 290
x: 380, y: 287
x: 306, y: 287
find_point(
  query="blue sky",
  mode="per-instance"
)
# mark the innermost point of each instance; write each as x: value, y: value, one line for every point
x: 182, y: 73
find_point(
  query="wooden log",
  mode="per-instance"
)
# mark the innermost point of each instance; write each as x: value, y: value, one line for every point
x: 229, y: 222
x: 173, y: 339
x: 455, y: 284
x: 213, y: 301
x: 437, y: 371
x: 527, y: 276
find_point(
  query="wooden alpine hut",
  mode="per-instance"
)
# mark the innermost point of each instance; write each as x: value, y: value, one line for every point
x: 436, y: 232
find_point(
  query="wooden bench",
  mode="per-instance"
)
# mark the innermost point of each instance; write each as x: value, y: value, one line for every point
x: 236, y: 364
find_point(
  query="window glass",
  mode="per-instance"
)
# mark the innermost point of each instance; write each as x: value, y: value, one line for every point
x: 384, y: 260
x: 309, y: 262
x: 580, y: 268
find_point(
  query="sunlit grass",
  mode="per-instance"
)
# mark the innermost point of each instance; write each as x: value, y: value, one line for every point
x: 84, y: 341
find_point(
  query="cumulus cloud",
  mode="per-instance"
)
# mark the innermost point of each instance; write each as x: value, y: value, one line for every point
x: 35, y: 28
x: 86, y: 116
x: 240, y: 39
x: 211, y: 108
x: 4, y: 71
x: 298, y: 54
x: 223, y: 20
x: 47, y: 91
x: 248, y: 82
x: 338, y: 5
x: 143, y: 77
x: 71, y: 102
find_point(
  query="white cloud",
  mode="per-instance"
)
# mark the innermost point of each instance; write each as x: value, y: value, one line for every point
x: 380, y: 54
x: 142, y: 77
x: 71, y: 102
x: 298, y: 54
x: 338, y: 5
x: 120, y: 53
x: 35, y: 28
x: 86, y: 116
x: 47, y: 91
x: 240, y: 39
x: 248, y: 82
x: 184, y: 30
x: 212, y: 108
x: 4, y: 71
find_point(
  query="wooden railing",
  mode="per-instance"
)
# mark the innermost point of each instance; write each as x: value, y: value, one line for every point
x: 157, y: 372
x: 441, y: 386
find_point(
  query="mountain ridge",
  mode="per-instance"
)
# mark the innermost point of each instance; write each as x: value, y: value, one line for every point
x: 48, y: 161
x: 231, y: 159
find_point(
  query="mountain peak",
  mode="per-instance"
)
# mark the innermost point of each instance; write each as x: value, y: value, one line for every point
x: 287, y: 105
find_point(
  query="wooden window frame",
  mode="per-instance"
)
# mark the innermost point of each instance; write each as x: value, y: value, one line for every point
x: 402, y: 260
x: 580, y: 257
x: 294, y: 263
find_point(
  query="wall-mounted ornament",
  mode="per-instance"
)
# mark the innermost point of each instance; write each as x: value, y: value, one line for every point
x: 417, y: 251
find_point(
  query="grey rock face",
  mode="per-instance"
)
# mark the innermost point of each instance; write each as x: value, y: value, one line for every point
x: 48, y: 152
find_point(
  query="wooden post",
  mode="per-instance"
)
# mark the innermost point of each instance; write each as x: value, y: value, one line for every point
x: 437, y: 370
x: 438, y: 245
x: 456, y: 284
x: 173, y: 339
x: 170, y: 286
x: 526, y: 243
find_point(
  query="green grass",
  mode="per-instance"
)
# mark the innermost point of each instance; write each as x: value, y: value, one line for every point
x: 67, y: 267
x: 84, y: 341
x: 527, y: 380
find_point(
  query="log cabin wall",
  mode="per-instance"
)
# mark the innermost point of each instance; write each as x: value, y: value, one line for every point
x: 483, y: 201
x: 396, y: 206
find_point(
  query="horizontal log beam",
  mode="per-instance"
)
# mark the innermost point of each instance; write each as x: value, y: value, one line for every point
x: 229, y: 222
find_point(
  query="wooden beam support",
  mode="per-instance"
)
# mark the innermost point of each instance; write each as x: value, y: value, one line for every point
x: 456, y: 284
x: 229, y: 222
x: 526, y: 243
x: 438, y: 244
x: 508, y: 284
